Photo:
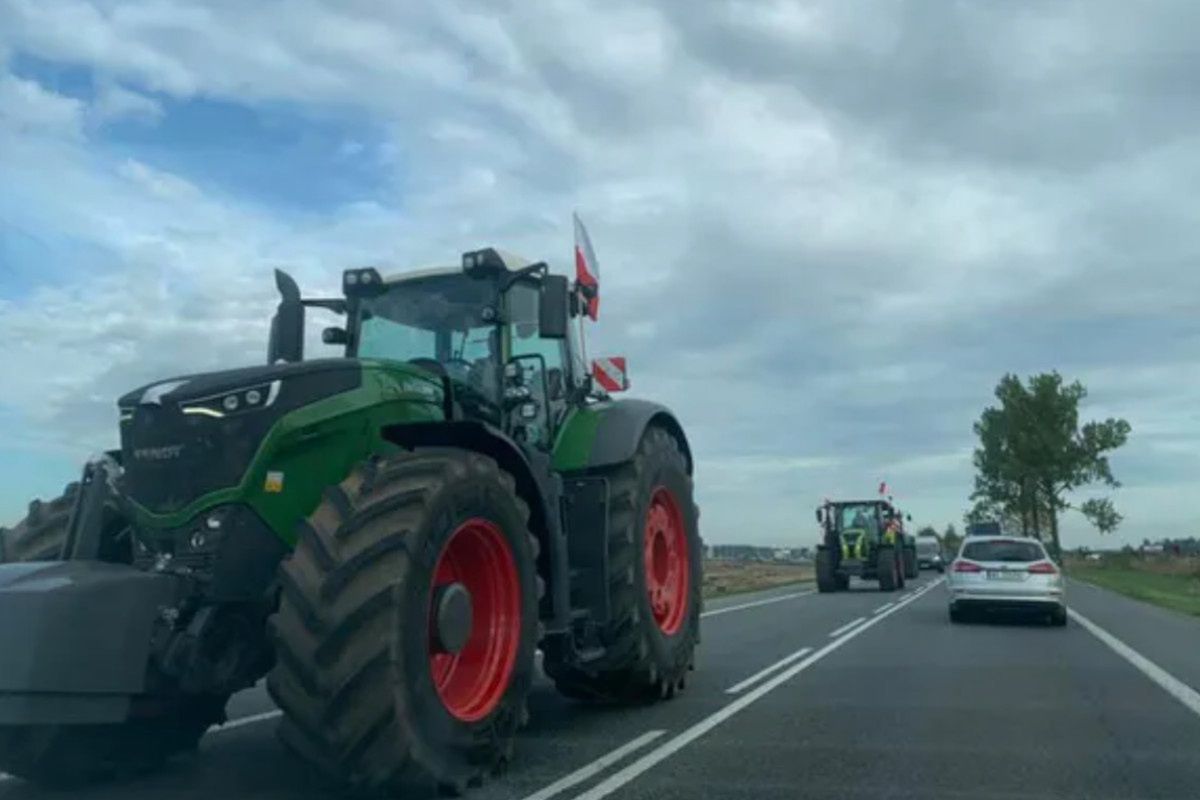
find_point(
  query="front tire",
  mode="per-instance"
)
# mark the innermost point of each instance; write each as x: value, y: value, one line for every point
x: 827, y: 578
x: 911, y: 568
x: 887, y: 568
x: 655, y: 576
x: 377, y: 681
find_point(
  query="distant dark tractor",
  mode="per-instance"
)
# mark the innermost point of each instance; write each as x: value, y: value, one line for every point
x: 386, y: 536
x: 864, y: 539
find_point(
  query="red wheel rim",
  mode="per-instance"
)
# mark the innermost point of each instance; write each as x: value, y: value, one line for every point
x: 666, y: 561
x: 471, y: 682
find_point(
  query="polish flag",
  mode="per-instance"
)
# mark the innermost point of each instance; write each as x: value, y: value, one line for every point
x: 587, y: 271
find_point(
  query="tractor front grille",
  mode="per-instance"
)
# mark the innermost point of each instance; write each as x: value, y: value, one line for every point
x: 170, y: 459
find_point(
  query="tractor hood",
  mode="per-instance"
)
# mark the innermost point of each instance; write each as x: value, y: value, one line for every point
x: 186, y: 437
x: 305, y: 381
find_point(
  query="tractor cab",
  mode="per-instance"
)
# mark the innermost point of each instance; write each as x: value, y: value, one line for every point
x: 494, y: 332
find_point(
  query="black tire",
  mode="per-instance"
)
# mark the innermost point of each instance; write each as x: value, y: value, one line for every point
x: 1058, y: 617
x: 352, y: 634
x: 843, y: 582
x: 912, y: 569
x: 71, y: 756
x: 887, y: 568
x: 827, y: 578
x: 957, y: 615
x: 41, y: 534
x: 640, y: 662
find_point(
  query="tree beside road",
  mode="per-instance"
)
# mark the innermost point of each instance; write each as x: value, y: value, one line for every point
x: 1033, y: 453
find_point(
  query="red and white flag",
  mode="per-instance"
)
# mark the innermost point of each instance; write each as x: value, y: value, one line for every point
x: 587, y: 271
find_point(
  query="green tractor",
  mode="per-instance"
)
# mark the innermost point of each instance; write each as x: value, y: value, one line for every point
x: 863, y: 538
x: 387, y: 536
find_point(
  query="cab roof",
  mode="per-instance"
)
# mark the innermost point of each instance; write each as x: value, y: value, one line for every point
x: 512, y: 263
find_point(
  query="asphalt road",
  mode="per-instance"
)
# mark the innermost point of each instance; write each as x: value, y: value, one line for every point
x: 877, y: 696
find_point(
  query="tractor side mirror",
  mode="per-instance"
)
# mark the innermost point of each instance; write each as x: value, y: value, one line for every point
x: 821, y: 516
x: 554, y: 307
x: 286, y: 342
x: 335, y: 336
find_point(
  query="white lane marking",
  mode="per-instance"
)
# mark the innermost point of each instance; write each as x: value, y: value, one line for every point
x: 250, y: 720
x: 762, y: 673
x: 883, y: 608
x: 756, y: 603
x: 844, y: 628
x: 677, y: 743
x: 595, y: 767
x: 1173, y: 686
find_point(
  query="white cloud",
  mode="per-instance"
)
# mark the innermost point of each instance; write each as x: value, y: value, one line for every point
x: 114, y: 102
x: 30, y: 110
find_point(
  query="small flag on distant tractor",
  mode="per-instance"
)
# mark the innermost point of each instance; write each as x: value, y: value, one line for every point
x: 587, y: 271
x: 610, y: 373
x: 883, y: 488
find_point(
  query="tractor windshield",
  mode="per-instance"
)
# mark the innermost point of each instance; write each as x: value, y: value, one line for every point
x: 438, y: 318
x: 858, y: 516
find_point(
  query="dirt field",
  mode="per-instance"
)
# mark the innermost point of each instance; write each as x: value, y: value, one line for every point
x: 733, y: 577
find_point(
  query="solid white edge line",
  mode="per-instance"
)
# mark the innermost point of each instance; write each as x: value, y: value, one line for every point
x: 883, y: 607
x: 762, y: 673
x: 716, y: 611
x: 593, y: 768
x: 836, y: 633
x: 678, y: 742
x: 1173, y: 686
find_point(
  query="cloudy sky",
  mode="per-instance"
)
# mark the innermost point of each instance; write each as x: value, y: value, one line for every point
x: 825, y: 229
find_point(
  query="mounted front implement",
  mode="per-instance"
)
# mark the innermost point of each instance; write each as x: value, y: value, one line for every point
x: 863, y: 539
x: 387, y: 536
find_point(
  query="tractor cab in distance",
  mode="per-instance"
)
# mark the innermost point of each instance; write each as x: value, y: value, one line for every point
x: 864, y: 539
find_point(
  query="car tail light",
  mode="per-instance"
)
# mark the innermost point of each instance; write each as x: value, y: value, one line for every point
x: 1043, y: 568
x: 967, y: 566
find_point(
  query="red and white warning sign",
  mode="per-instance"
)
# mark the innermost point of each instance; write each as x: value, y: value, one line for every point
x: 610, y: 373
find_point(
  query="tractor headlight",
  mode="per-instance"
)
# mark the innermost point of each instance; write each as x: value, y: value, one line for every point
x: 236, y: 401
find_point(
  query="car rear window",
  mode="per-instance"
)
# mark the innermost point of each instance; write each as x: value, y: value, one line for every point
x: 1003, y: 551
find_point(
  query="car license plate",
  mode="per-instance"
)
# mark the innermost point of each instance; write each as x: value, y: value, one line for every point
x: 1004, y: 575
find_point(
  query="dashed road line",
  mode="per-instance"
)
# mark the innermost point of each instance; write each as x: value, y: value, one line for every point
x: 883, y: 608
x: 673, y: 745
x: 762, y: 673
x: 836, y: 633
x: 594, y: 768
x: 717, y: 611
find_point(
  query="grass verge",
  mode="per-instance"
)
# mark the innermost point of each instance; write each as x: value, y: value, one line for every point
x: 1166, y: 586
x: 724, y: 578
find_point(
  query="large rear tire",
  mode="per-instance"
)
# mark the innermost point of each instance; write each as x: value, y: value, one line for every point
x: 378, y: 682
x: 654, y: 559
x: 888, y: 569
x: 912, y: 568
x: 41, y: 534
x: 827, y: 577
x: 70, y: 756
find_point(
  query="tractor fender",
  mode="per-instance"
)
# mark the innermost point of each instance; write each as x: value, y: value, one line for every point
x: 536, y: 485
x: 76, y: 638
x: 620, y: 426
